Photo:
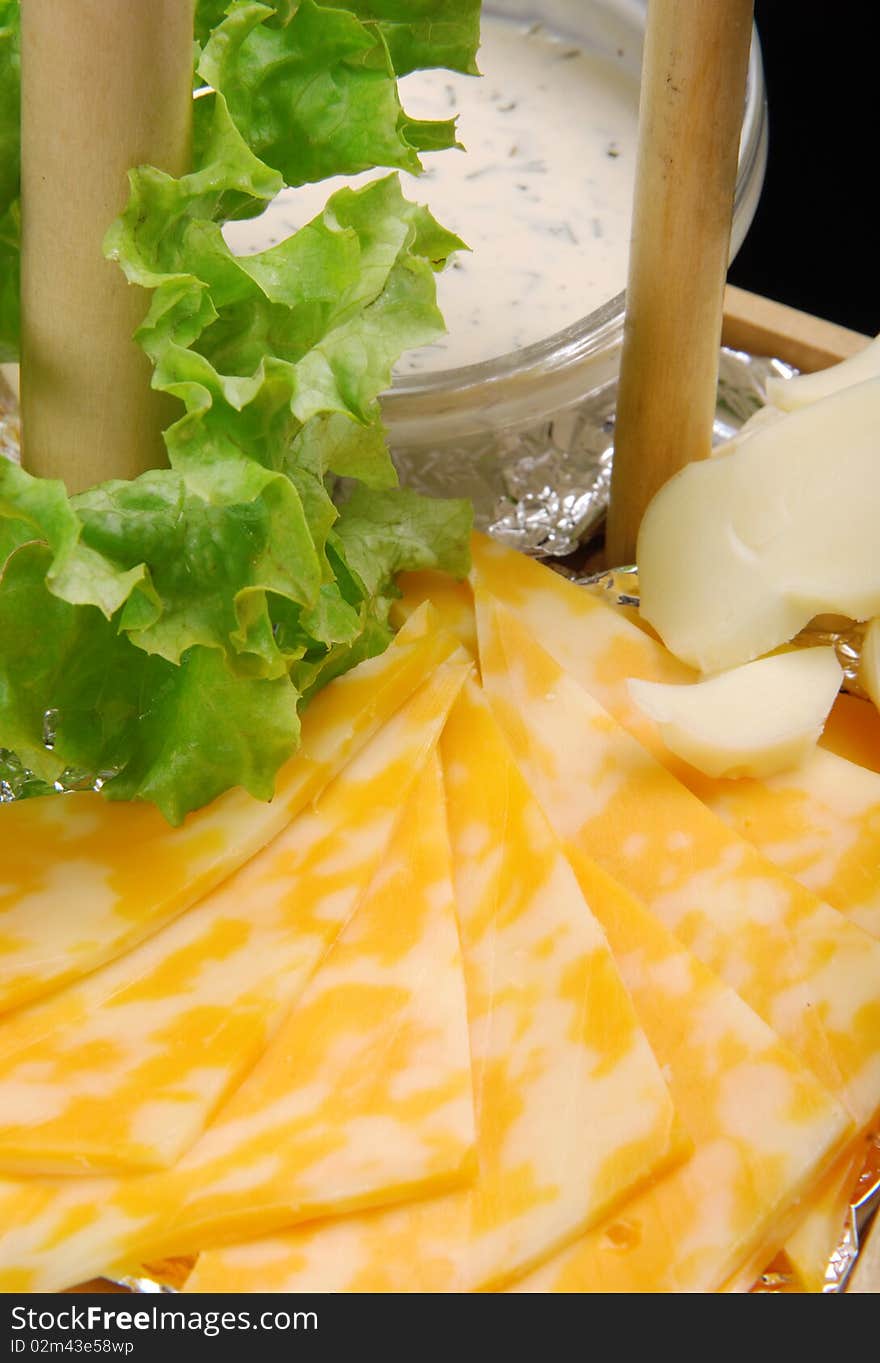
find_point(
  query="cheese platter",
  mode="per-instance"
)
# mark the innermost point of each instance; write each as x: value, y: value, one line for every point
x: 374, y: 930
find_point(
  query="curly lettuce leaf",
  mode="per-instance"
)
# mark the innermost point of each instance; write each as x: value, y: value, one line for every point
x: 424, y: 33
x: 10, y: 292
x: 242, y: 730
x: 255, y: 348
x: 419, y: 33
x: 382, y: 534
x: 210, y: 564
x: 314, y: 96
x: 181, y: 732
x: 378, y: 535
x: 208, y: 16
x: 188, y: 615
x: 310, y: 88
x: 76, y: 696
x: 10, y: 100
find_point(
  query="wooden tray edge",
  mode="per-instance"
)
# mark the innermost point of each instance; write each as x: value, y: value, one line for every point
x: 762, y: 327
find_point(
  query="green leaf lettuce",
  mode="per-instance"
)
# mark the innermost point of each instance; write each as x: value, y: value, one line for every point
x: 185, y: 617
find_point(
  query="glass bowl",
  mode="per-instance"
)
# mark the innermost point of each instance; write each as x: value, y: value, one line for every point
x: 467, y: 411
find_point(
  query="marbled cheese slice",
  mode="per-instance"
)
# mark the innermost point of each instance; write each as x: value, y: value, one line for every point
x: 819, y: 1230
x: 364, y: 1096
x: 819, y: 822
x: 453, y: 601
x: 148, y: 1046
x: 82, y: 880
x: 813, y: 975
x: 763, y: 1128
x: 572, y: 1112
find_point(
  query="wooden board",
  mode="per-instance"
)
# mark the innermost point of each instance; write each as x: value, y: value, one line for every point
x: 762, y: 327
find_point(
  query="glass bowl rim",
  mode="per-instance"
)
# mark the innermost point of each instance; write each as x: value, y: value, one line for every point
x: 588, y: 334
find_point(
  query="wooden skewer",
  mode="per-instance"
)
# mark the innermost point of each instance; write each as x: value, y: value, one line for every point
x: 693, y: 95
x: 106, y: 86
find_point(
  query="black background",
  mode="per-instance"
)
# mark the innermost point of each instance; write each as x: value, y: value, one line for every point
x: 815, y: 238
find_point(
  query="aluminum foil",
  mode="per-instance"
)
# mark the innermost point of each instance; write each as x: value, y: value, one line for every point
x: 544, y: 489
x: 864, y: 1208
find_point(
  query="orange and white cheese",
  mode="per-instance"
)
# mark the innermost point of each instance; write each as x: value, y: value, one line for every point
x: 82, y: 880
x: 813, y: 975
x: 363, y: 1097
x: 572, y: 1112
x: 820, y: 821
x: 144, y: 1050
x: 763, y: 1128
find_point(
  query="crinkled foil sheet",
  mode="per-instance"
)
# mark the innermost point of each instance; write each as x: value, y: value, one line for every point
x: 544, y: 491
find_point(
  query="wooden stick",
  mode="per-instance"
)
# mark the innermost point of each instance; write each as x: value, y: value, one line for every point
x: 690, y: 116
x: 106, y: 86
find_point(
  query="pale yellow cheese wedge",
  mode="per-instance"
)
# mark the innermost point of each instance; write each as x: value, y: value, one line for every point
x: 763, y: 1128
x: 810, y: 973
x: 758, y: 421
x: 755, y: 720
x: 364, y: 1096
x: 737, y: 553
x: 82, y: 880
x: 146, y: 1048
x: 804, y: 389
x: 820, y: 822
x: 572, y: 1112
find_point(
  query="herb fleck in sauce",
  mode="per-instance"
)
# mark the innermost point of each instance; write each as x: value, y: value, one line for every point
x: 543, y: 195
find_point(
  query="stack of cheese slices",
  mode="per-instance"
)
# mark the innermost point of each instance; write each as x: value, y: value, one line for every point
x: 499, y: 993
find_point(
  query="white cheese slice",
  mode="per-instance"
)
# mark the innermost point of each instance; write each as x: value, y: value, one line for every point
x: 803, y: 389
x: 737, y: 553
x: 755, y: 720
